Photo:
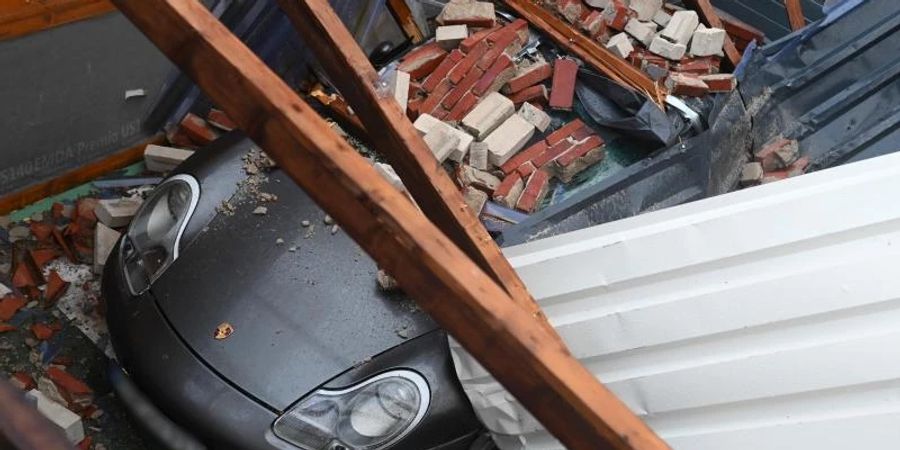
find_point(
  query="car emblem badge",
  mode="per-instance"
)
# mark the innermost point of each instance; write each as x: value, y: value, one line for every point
x: 223, y: 331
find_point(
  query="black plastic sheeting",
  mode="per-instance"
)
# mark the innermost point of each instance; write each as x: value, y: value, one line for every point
x: 705, y: 165
x: 835, y: 87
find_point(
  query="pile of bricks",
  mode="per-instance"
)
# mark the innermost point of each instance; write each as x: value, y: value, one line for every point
x: 776, y: 160
x: 665, y: 41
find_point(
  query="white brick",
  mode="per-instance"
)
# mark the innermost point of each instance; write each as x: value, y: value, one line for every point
x: 475, y: 199
x: 508, y: 139
x: 441, y: 142
x: 646, y: 9
x: 666, y: 49
x: 478, y: 156
x: 470, y: 176
x: 644, y: 32
x: 398, y: 85
x: 159, y: 158
x: 599, y: 4
x: 426, y: 122
x: 490, y: 112
x: 620, y: 45
x: 68, y: 421
x: 449, y: 36
x: 116, y: 213
x: 662, y: 18
x: 707, y: 41
x: 681, y: 28
x: 105, y: 239
x: 535, y: 116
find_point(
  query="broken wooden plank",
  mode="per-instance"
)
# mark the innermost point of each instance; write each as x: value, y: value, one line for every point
x: 398, y: 141
x: 710, y: 17
x: 23, y: 427
x: 341, y: 112
x: 795, y: 14
x: 75, y: 177
x: 18, y: 18
x: 592, y: 53
x: 464, y: 300
x: 402, y: 14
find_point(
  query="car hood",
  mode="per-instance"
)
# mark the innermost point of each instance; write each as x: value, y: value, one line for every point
x: 303, y: 301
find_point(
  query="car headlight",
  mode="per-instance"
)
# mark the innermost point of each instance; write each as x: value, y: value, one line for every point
x: 151, y: 242
x: 367, y: 416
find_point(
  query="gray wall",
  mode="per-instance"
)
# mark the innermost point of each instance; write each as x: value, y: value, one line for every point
x: 62, y: 96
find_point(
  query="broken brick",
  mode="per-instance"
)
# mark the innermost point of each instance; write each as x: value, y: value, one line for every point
x: 470, y: 176
x: 570, y: 9
x: 498, y: 49
x: 434, y: 99
x: 475, y: 199
x: 686, y: 85
x: 462, y: 88
x: 442, y: 70
x: 463, y: 106
x: 23, y: 277
x: 699, y: 66
x: 471, y: 13
x: 524, y: 156
x: 577, y: 159
x: 535, y: 94
x: 593, y: 23
x: 41, y: 231
x: 463, y: 67
x: 777, y: 154
x: 41, y: 331
x: 616, y: 15
x: 620, y: 45
x: 423, y: 60
x: 535, y: 190
x: 525, y: 170
x: 719, y: 82
x: 76, y: 393
x: 58, y: 211
x: 64, y: 245
x: 751, y: 174
x: 562, y: 94
x: 535, y: 116
x: 470, y: 42
x: 23, y: 381
x: 552, y: 153
x: 564, y: 131
x: 528, y: 76
x: 509, y: 190
x: 41, y: 257
x: 488, y: 79
x: 56, y: 287
x: 197, y: 129
x: 220, y: 120
x: 9, y: 305
x: 5, y: 327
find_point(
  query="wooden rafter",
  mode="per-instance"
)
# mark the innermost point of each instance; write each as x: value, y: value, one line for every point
x: 18, y: 17
x: 711, y: 18
x: 567, y: 399
x: 795, y: 14
x: 401, y: 12
x: 592, y: 53
x: 397, y: 140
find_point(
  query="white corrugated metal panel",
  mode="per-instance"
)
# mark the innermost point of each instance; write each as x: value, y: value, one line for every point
x: 762, y: 319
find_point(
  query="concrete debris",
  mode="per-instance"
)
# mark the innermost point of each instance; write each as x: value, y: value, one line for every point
x: 450, y: 36
x: 708, y: 41
x: 681, y: 27
x: 751, y: 174
x: 117, y: 213
x: 478, y: 156
x: 386, y: 282
x: 328, y: 220
x: 644, y: 32
x: 468, y: 12
x: 279, y: 241
x: 261, y: 211
x: 335, y: 229
x: 441, y: 142
x: 304, y: 223
x: 646, y: 9
x: 535, y: 116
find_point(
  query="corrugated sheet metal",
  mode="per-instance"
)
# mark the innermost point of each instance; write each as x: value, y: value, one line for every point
x: 767, y: 318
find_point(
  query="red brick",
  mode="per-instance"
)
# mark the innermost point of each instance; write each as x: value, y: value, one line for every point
x: 582, y: 133
x: 9, y: 306
x: 413, y: 107
x: 535, y: 94
x: 41, y: 231
x: 415, y: 90
x: 526, y: 169
x: 524, y: 156
x: 562, y: 94
x: 777, y: 154
x: 42, y: 331
x: 197, y: 129
x: 579, y: 150
x: 570, y: 9
x: 798, y: 167
x: 618, y: 16
x: 485, y: 82
x: 555, y: 150
x: 593, y: 23
x: 220, y: 120
x: 686, y: 85
x: 41, y: 257
x: 720, y: 82
x: 470, y: 42
x: 22, y: 277
x: 565, y: 131
x: 698, y: 66
x: 466, y: 13
x: 5, y: 328
x: 535, y: 191
x: 462, y: 88
x: 440, y: 113
x: 504, y: 40
x: 85, y: 443
x: 434, y: 99
x: 423, y: 60
x: 56, y: 287
x: 66, y: 382
x: 442, y: 70
x: 531, y: 76
x: 506, y: 185
x: 463, y: 106
x: 23, y: 381
x: 520, y: 28
x: 58, y: 211
x: 463, y: 67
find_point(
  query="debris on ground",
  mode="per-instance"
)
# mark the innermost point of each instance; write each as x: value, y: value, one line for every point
x: 776, y: 160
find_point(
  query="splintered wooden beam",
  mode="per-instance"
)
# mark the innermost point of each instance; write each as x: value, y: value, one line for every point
x: 795, y: 14
x: 592, y: 53
x: 711, y: 18
x: 442, y: 280
x: 350, y: 71
x: 404, y: 17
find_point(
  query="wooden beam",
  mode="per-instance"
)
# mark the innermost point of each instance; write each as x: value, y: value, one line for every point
x: 592, y: 53
x: 340, y: 111
x: 739, y: 30
x: 711, y: 18
x: 75, y: 177
x: 18, y: 17
x: 397, y: 140
x: 402, y: 14
x: 795, y: 14
x: 22, y: 427
x: 464, y: 300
